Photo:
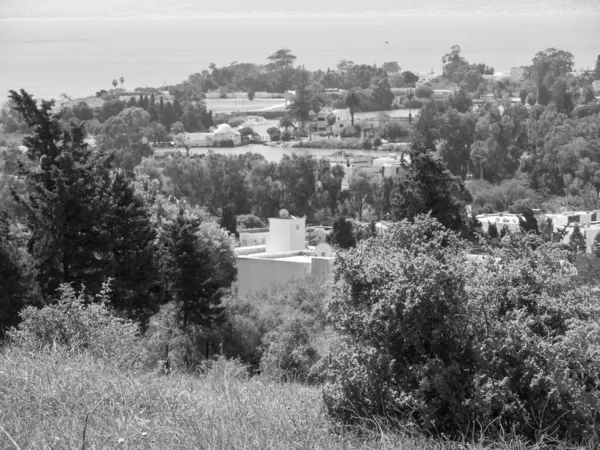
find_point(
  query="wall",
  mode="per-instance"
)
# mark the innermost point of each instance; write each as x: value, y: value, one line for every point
x: 255, y: 274
x: 321, y: 268
x: 286, y: 235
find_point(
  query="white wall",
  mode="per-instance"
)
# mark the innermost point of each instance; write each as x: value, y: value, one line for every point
x: 286, y: 235
x: 255, y: 273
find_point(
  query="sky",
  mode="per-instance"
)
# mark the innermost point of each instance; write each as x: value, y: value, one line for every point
x: 118, y: 8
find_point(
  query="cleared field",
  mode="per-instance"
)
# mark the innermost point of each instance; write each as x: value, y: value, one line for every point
x: 219, y: 105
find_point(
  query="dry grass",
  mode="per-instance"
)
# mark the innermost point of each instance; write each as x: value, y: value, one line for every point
x: 48, y: 399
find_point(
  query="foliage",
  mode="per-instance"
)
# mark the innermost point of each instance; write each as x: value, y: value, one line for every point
x: 577, y: 240
x: 425, y: 185
x: 86, y: 224
x: 288, y: 354
x: 198, y: 266
x: 342, y: 234
x: 75, y: 325
x: 249, y: 221
x: 393, y: 130
x: 435, y: 340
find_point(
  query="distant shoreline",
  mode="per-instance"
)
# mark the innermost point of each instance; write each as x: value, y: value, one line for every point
x: 527, y: 10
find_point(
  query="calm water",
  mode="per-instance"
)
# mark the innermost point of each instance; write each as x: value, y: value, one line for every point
x: 274, y: 154
x: 81, y: 56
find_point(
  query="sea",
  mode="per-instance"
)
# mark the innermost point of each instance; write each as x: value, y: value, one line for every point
x: 78, y: 56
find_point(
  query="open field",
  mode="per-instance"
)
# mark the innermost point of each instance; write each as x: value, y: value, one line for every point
x: 219, y: 105
x: 61, y: 401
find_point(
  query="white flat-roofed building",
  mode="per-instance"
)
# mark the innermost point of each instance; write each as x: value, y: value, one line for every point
x: 284, y: 257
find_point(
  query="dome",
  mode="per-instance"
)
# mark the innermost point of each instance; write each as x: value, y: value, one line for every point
x: 223, y: 129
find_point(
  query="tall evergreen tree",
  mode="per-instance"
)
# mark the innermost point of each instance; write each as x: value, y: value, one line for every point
x: 86, y: 225
x: 152, y: 99
x: 177, y: 109
x: 132, y: 251
x: 229, y: 220
x: 193, y: 282
x: 141, y: 101
x: 169, y: 117
x: 161, y: 111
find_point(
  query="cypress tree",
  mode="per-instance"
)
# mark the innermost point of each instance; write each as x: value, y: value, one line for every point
x: 152, y: 99
x: 178, y: 109
x: 161, y: 110
x: 170, y: 117
x: 141, y: 101
x: 492, y: 231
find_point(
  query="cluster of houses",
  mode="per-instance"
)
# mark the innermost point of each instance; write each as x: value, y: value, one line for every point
x: 587, y: 221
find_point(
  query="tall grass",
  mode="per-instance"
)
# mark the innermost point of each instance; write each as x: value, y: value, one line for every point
x: 45, y: 397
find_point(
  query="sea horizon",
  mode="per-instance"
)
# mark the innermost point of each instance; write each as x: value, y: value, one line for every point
x: 79, y: 56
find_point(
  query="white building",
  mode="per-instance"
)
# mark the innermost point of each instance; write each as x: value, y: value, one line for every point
x: 222, y: 133
x: 501, y: 220
x: 285, y: 256
x: 342, y: 119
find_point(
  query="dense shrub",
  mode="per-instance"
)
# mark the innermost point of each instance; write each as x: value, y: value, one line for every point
x: 288, y: 354
x: 352, y: 131
x: 393, y: 130
x: 274, y: 133
x: 235, y: 122
x: 251, y: 317
x: 248, y: 221
x: 76, y: 325
x: 447, y: 345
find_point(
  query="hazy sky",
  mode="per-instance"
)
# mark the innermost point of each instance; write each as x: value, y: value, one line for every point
x: 111, y: 8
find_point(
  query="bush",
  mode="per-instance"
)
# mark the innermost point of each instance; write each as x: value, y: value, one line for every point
x: 274, y: 133
x: 287, y: 352
x: 249, y: 221
x: 76, y: 325
x: 236, y: 121
x: 351, y: 131
x: 286, y: 136
x: 446, y: 344
x: 393, y: 130
x: 412, y: 104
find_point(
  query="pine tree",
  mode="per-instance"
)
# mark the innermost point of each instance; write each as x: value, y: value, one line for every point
x: 194, y: 285
x: 132, y: 251
x: 86, y: 224
x: 66, y: 200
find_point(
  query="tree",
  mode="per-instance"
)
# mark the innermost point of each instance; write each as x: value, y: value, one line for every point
x: 426, y: 186
x: 82, y: 111
x: 409, y: 77
x: 115, y: 82
x: 577, y: 240
x: 362, y: 188
x: 282, y: 58
x: 169, y: 116
x: 86, y: 226
x: 342, y: 234
x: 122, y: 80
x: 596, y: 246
x: 199, y: 265
x: 352, y: 101
x: 550, y: 65
x: 286, y: 122
x: 251, y: 94
x: 229, y: 220
x: 12, y: 278
x: 391, y: 67
x: 331, y: 118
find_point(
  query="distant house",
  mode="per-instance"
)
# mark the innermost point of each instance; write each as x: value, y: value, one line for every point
x: 442, y: 94
x: 342, y: 119
x: 222, y: 133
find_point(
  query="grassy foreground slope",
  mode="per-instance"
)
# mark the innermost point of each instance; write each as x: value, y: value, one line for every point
x: 46, y: 396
